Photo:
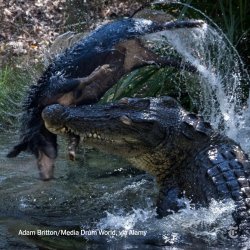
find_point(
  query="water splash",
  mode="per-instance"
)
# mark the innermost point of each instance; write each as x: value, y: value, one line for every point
x: 190, y: 224
x: 125, y: 221
x: 221, y: 75
x: 221, y: 72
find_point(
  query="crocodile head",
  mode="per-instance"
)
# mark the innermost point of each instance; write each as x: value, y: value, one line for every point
x: 129, y: 127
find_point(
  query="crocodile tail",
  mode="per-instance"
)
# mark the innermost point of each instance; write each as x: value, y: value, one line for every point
x: 229, y: 170
x: 226, y: 169
x: 242, y: 211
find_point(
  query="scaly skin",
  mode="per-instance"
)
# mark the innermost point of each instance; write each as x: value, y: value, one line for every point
x: 83, y: 73
x: 182, y: 151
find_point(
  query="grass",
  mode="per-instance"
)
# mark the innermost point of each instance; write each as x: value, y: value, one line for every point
x: 13, y: 82
x: 233, y: 16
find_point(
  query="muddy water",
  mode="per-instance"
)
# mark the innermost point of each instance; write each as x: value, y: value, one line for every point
x: 100, y: 202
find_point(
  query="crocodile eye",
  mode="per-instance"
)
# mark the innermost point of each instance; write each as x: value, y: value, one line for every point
x: 124, y: 100
x: 169, y: 102
x: 134, y: 103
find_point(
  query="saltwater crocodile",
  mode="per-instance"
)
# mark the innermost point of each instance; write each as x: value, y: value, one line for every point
x: 83, y: 73
x: 179, y: 148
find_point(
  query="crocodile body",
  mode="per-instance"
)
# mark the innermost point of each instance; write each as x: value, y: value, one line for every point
x: 182, y: 151
x: 83, y: 73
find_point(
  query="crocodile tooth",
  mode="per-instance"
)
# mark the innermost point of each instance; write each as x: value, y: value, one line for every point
x: 95, y: 135
x: 63, y: 130
x: 89, y: 135
x: 99, y: 137
x: 126, y: 120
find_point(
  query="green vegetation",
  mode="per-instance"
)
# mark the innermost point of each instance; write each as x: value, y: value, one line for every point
x: 13, y: 82
x: 153, y: 81
x: 233, y: 16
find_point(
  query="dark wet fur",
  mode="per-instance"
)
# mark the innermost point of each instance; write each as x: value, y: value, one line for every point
x: 81, y: 61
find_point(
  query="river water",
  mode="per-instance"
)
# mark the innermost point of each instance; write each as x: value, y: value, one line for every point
x: 100, y: 202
